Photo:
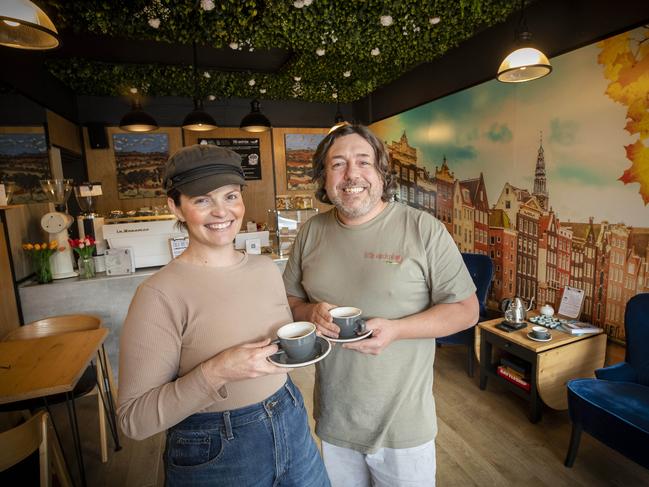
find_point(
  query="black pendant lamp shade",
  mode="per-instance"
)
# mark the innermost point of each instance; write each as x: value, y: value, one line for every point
x: 255, y: 121
x: 25, y: 26
x: 526, y: 63
x: 199, y: 120
x: 137, y: 120
x: 339, y: 120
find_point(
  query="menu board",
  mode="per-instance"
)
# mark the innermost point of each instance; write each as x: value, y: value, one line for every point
x: 248, y: 149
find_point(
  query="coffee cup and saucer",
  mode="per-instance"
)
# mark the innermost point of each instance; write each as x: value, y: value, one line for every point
x: 299, y: 345
x: 539, y: 334
x: 352, y: 326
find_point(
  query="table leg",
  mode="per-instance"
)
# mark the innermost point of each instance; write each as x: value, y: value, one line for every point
x: 485, y: 360
x: 58, y: 439
x: 536, y: 405
x: 107, y: 398
x: 72, y: 418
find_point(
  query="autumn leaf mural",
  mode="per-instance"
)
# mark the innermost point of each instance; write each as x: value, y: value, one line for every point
x: 625, y: 59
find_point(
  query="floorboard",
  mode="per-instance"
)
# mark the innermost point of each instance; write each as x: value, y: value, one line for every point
x: 484, y: 439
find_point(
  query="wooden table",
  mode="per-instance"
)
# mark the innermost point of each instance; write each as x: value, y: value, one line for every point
x: 51, y: 365
x: 552, y: 364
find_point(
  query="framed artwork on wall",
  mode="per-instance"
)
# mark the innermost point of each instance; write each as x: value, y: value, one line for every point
x: 299, y: 156
x: 24, y: 161
x: 139, y: 164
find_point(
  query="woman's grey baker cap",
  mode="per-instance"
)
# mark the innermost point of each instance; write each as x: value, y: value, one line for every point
x: 199, y: 169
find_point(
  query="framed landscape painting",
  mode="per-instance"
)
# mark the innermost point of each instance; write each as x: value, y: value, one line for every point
x: 24, y: 161
x: 139, y: 164
x: 299, y: 154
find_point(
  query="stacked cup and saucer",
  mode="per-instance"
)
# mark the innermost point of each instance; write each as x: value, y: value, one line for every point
x: 539, y: 334
x: 352, y: 326
x: 299, y: 345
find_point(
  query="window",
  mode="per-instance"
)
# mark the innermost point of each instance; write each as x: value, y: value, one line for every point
x: 508, y: 204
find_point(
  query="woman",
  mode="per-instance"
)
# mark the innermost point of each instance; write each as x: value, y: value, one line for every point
x: 194, y: 345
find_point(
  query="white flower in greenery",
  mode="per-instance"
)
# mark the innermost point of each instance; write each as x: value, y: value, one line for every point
x: 298, y: 3
x: 386, y: 20
x: 347, y: 74
x: 211, y: 98
x: 320, y: 51
x: 262, y: 90
x: 375, y: 52
x: 207, y: 5
x: 234, y: 45
x: 307, y: 2
x: 155, y: 23
x: 334, y: 95
x: 251, y: 82
x: 251, y: 49
x: 297, y: 78
x: 434, y: 20
x: 207, y: 75
x: 133, y: 90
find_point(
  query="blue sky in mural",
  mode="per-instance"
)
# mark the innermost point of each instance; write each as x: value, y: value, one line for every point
x: 495, y: 128
x: 140, y: 142
x: 14, y: 144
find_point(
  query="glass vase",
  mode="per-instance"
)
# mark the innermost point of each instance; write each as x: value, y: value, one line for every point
x: 42, y: 267
x: 86, y: 267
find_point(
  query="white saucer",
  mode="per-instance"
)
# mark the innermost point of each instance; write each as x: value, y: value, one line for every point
x: 322, y: 349
x: 352, y: 339
x: 529, y: 335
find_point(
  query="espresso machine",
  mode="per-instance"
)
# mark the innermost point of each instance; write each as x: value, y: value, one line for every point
x: 89, y: 222
x: 56, y: 223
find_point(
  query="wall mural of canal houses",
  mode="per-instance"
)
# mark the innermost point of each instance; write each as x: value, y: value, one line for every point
x: 140, y: 161
x: 550, y: 178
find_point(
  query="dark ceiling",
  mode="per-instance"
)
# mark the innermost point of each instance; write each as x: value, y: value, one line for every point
x: 380, y: 56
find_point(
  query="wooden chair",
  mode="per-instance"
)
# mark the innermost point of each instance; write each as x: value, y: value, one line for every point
x: 56, y: 325
x: 21, y: 441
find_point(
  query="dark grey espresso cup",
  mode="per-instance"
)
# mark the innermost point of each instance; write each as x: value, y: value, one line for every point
x: 348, y: 320
x: 297, y: 340
x: 540, y: 333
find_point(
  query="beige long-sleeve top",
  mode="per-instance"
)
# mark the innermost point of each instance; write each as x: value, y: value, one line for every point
x: 182, y: 316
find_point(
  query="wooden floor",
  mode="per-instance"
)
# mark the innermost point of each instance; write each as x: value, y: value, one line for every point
x: 484, y: 439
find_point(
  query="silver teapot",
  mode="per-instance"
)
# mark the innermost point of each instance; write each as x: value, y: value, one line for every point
x: 516, y: 312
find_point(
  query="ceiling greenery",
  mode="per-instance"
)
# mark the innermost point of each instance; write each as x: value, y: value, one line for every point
x: 341, y: 49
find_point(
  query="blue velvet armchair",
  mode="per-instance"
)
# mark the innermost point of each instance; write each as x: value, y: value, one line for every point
x: 481, y: 269
x: 614, y: 407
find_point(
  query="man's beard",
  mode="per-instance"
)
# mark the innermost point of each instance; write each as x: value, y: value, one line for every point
x: 368, y: 203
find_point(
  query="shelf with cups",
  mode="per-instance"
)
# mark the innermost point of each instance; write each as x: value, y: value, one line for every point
x: 547, y: 365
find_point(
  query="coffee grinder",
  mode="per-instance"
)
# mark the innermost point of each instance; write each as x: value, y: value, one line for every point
x: 56, y: 223
x: 89, y: 222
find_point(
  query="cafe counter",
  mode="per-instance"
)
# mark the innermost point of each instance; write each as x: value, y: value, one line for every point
x: 105, y: 296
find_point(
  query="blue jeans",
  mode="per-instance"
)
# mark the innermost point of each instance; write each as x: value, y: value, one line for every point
x: 265, y: 444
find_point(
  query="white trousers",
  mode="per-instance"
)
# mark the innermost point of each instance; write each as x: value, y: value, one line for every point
x: 388, y: 467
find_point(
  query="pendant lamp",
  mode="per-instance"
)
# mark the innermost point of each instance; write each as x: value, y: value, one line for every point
x: 339, y: 120
x: 525, y: 63
x: 255, y: 121
x: 25, y: 26
x: 198, y: 120
x: 137, y: 120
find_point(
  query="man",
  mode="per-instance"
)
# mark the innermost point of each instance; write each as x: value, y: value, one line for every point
x: 374, y: 407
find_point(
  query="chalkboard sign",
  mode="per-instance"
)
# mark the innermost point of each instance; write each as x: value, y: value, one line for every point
x: 248, y: 149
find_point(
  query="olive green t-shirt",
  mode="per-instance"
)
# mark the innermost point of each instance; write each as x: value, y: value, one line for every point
x: 400, y: 263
